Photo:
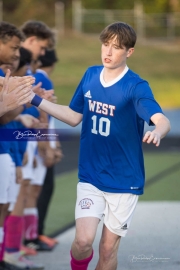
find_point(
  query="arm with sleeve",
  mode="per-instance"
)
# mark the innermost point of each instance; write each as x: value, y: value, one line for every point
x: 77, y: 101
x: 144, y: 102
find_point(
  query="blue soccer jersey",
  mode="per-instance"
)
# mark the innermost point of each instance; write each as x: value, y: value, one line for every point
x: 47, y: 84
x: 111, y: 156
x: 42, y: 76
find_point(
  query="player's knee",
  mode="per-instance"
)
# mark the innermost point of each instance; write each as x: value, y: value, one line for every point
x: 107, y: 252
x: 83, y: 244
x: 22, y: 196
x: 24, y: 190
x: 35, y: 191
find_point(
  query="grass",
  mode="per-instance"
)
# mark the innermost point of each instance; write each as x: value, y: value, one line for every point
x: 61, y: 212
x: 167, y: 187
x: 159, y: 65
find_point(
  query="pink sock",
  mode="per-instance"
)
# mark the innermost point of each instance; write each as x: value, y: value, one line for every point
x: 3, y: 243
x: 14, y: 232
x: 1, y: 252
x: 31, y: 226
x: 80, y: 265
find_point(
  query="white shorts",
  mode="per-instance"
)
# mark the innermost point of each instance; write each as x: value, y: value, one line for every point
x: 39, y: 172
x: 117, y: 208
x: 27, y: 170
x: 36, y: 175
x: 52, y: 126
x: 8, y: 187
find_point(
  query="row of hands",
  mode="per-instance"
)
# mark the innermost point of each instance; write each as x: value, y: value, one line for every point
x: 17, y: 91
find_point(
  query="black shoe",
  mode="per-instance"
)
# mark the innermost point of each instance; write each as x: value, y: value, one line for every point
x: 37, y: 245
x: 44, y: 246
x: 7, y: 266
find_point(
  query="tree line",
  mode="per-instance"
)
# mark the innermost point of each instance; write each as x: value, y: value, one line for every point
x: 18, y: 11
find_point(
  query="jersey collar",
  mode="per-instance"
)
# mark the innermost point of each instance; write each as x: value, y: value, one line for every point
x: 104, y: 84
x: 42, y: 71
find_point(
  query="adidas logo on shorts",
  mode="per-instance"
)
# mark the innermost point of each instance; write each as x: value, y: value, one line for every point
x: 124, y: 227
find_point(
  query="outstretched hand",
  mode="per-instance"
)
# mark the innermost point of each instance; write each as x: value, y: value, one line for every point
x: 152, y: 137
x: 42, y: 92
x: 19, y: 82
x: 15, y: 92
x: 28, y: 120
x: 48, y: 94
x: 37, y: 89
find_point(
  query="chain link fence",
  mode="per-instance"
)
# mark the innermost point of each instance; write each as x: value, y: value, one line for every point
x: 159, y: 25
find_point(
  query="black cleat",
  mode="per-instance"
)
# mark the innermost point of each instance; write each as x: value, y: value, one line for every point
x: 8, y: 266
x: 38, y: 245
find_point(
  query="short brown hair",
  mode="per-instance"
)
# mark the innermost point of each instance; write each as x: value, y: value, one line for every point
x: 125, y: 34
x: 40, y: 30
x: 7, y: 31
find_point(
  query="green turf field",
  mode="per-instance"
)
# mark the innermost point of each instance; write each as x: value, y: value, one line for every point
x: 159, y: 64
x: 166, y: 188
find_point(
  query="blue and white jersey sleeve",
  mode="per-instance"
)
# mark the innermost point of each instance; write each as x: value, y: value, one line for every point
x: 77, y: 102
x: 145, y: 104
x: 46, y: 82
x: 2, y: 74
x: 32, y: 111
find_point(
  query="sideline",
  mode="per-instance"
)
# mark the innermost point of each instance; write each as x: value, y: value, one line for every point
x: 160, y: 175
x: 153, y: 239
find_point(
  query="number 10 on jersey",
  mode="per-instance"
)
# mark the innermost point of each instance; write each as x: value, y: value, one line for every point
x: 101, y: 126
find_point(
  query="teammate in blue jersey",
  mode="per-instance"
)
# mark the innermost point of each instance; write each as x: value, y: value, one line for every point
x: 40, y: 37
x: 11, y: 96
x: 112, y: 102
x: 31, y: 237
x: 51, y: 150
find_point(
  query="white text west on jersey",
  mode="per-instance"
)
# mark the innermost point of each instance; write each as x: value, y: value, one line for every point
x: 101, y: 108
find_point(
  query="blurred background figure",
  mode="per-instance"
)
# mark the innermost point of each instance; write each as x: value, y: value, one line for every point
x: 10, y: 40
x: 48, y: 62
x: 10, y: 165
x: 15, y: 221
x: 49, y: 153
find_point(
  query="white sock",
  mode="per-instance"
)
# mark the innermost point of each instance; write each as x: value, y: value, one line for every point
x: 1, y: 235
x: 31, y: 211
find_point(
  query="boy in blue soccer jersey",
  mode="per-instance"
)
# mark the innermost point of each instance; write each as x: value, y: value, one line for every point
x: 11, y: 95
x: 112, y: 102
x: 45, y: 157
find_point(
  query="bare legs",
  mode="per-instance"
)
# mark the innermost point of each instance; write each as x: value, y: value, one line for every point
x: 21, y: 199
x: 84, y: 238
x: 85, y: 234
x: 108, y: 249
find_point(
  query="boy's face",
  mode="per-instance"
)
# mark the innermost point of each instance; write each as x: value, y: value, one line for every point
x: 13, y: 67
x: 36, y: 46
x: 9, y: 50
x: 113, y: 56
